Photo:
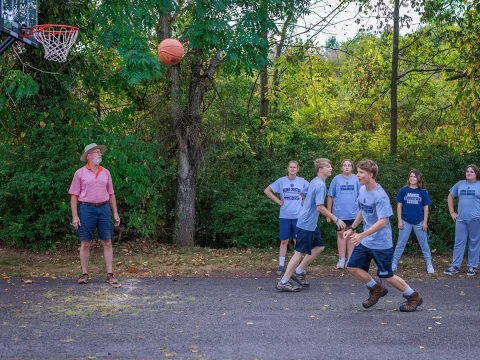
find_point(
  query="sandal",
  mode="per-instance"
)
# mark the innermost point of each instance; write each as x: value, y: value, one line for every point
x: 84, y: 279
x: 112, y: 279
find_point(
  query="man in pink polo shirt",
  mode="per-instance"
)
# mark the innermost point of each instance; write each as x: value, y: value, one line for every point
x: 93, y: 202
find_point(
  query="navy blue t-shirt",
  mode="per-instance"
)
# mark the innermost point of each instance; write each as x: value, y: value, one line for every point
x: 413, y: 201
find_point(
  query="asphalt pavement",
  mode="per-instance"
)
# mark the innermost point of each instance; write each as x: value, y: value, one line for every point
x: 234, y: 318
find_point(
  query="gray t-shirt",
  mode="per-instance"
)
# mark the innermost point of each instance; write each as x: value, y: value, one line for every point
x: 316, y: 193
x: 344, y: 193
x: 468, y: 199
x: 289, y: 191
x: 375, y: 205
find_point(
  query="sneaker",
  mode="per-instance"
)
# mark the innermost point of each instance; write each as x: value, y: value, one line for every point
x: 341, y: 263
x: 394, y: 267
x: 471, y: 271
x: 288, y: 287
x: 300, y: 279
x: 84, y: 279
x: 111, y: 278
x: 376, y: 293
x: 451, y: 270
x: 413, y: 301
x: 430, y: 269
x: 280, y: 270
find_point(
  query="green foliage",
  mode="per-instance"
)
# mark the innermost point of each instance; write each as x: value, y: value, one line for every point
x: 18, y: 85
x: 330, y: 104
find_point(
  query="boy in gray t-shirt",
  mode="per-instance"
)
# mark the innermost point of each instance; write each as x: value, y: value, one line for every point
x: 309, y: 240
x: 375, y: 242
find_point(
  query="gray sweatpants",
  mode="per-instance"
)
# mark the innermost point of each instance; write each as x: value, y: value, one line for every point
x: 466, y: 230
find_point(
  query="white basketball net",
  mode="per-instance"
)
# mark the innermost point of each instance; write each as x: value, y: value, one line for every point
x: 56, y: 40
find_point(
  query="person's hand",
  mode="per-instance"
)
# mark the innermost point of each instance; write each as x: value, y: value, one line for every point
x: 340, y: 224
x: 328, y: 220
x: 347, y: 233
x: 280, y: 202
x: 400, y: 225
x: 454, y: 216
x: 76, y: 222
x: 424, y: 226
x: 117, y: 219
x: 355, y: 238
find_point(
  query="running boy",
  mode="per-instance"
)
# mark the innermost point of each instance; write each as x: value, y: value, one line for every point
x: 309, y: 240
x: 375, y: 242
x: 290, y: 202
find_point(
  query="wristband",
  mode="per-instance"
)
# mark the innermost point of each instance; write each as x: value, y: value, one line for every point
x: 351, y: 227
x: 336, y: 221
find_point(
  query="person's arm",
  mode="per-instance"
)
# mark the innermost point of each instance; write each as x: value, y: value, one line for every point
x: 74, y: 205
x: 358, y: 220
x: 451, y: 207
x: 113, y: 206
x: 356, y: 238
x: 329, y: 206
x: 325, y: 212
x: 399, y: 216
x: 271, y: 195
x: 425, y: 218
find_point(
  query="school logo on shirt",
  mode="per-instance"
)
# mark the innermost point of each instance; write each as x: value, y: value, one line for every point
x: 467, y: 193
x: 412, y: 198
x: 347, y: 187
x: 291, y: 193
x: 367, y: 209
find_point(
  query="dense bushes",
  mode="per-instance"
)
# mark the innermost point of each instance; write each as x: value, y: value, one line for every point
x: 34, y: 201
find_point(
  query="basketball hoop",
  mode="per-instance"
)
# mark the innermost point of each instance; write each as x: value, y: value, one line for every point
x: 56, y: 39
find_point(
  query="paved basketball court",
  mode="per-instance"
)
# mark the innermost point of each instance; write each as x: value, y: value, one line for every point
x: 225, y: 318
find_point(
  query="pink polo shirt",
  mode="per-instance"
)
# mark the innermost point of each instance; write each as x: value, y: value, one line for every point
x: 91, y: 187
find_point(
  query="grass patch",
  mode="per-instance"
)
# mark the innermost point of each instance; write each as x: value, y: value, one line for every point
x: 142, y: 258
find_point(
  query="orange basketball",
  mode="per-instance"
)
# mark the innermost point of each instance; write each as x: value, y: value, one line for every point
x: 170, y: 51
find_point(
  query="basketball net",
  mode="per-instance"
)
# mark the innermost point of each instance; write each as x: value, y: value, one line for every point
x: 57, y: 40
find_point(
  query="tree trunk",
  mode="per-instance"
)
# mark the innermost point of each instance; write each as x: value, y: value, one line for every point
x: 278, y: 53
x: 393, y: 89
x: 263, y: 98
x: 187, y: 127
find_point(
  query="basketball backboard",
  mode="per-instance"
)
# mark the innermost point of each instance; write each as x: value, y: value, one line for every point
x: 18, y: 14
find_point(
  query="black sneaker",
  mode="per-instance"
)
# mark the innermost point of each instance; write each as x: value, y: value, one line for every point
x: 288, y: 287
x: 451, y: 270
x: 280, y: 270
x: 471, y: 271
x: 300, y: 279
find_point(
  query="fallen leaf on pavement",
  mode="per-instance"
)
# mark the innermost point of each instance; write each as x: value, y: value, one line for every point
x: 27, y: 281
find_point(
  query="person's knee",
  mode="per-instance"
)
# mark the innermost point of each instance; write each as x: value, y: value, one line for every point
x: 107, y: 243
x: 352, y: 270
x: 283, y: 242
x: 389, y: 280
x: 85, y: 245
